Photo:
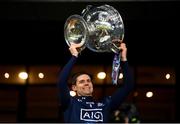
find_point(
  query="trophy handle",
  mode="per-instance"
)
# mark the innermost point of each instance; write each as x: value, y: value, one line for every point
x: 88, y: 7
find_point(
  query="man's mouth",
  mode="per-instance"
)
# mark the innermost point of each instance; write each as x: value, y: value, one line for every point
x: 86, y: 85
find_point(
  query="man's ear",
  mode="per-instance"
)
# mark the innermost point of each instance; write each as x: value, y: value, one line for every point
x: 74, y: 87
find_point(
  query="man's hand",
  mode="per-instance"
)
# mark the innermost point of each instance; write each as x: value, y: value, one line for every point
x: 73, y: 49
x: 123, y: 50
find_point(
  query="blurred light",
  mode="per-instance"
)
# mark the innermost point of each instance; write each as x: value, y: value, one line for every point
x: 116, y: 113
x: 120, y: 76
x: 6, y: 75
x: 41, y: 75
x: 135, y: 94
x: 72, y: 93
x: 168, y: 76
x: 134, y: 119
x: 149, y: 94
x: 101, y: 75
x: 23, y: 75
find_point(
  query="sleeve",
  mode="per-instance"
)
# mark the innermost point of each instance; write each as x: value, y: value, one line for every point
x: 63, y: 90
x: 128, y: 84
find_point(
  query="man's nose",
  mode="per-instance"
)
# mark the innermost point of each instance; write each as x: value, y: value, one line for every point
x: 86, y: 83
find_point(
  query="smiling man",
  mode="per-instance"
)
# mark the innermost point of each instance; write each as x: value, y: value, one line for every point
x: 82, y: 84
x: 83, y: 108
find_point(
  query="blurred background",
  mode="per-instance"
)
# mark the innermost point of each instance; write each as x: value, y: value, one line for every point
x: 32, y: 41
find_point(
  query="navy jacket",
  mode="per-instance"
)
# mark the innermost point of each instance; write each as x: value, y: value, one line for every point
x: 83, y: 109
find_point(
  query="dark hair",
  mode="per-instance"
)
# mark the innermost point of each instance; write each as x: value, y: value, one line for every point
x: 74, y: 77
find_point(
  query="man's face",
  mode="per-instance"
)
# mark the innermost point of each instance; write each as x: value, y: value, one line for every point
x: 83, y: 86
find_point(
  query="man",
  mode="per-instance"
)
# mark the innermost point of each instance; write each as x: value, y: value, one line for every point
x: 82, y: 108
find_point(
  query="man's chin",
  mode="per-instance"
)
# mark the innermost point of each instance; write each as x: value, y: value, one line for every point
x: 88, y: 94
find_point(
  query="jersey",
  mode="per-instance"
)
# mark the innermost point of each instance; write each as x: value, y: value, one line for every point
x: 84, y: 109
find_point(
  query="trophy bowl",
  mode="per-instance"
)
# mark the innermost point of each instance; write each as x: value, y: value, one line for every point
x: 100, y: 29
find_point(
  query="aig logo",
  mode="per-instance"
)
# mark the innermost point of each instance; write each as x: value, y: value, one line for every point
x: 93, y: 115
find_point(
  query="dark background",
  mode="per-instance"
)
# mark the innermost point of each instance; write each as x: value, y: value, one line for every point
x: 33, y: 32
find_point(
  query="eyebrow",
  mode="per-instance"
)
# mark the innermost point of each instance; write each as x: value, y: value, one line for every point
x: 85, y: 80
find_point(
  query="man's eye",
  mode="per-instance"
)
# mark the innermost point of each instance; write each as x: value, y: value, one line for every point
x: 89, y: 80
x: 81, y: 81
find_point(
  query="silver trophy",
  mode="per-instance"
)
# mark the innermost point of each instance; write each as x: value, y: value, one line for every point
x: 100, y: 29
